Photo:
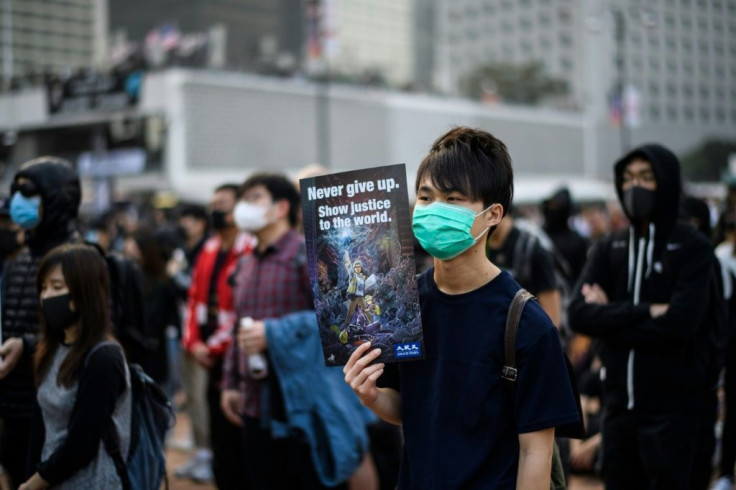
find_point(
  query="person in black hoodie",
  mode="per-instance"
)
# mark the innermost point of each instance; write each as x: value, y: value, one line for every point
x: 644, y: 294
x: 45, y: 199
x: 573, y: 248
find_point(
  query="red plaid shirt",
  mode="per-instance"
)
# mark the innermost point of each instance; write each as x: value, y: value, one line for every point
x: 268, y: 284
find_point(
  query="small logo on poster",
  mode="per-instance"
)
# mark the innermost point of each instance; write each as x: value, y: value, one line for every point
x: 411, y: 349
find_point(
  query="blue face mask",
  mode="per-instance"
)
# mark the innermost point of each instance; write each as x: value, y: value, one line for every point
x: 25, y: 211
x: 443, y: 230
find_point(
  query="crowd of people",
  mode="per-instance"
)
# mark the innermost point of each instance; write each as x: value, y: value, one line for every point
x: 215, y: 302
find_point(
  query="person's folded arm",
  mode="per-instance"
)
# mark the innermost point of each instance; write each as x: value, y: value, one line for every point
x: 596, y: 319
x: 687, y: 306
x: 100, y: 385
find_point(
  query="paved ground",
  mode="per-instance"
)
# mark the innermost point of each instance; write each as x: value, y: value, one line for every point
x: 175, y: 457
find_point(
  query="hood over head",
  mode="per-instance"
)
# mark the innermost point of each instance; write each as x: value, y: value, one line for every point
x: 58, y: 185
x: 666, y: 169
x: 696, y: 209
x: 557, y: 210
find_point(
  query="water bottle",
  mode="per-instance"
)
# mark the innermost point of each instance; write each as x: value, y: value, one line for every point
x: 257, y: 366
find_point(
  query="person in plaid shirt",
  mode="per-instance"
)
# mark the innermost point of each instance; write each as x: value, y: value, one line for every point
x: 268, y: 284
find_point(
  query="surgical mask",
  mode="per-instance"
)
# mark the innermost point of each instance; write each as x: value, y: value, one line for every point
x: 639, y: 202
x: 218, y: 220
x: 58, y: 315
x: 443, y: 230
x: 25, y: 211
x: 250, y: 217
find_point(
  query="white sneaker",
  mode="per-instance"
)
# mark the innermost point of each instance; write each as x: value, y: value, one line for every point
x: 723, y: 483
x: 185, y: 470
x: 202, y: 472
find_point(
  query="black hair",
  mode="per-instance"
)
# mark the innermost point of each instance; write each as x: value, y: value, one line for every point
x: 86, y: 275
x: 471, y: 161
x: 280, y: 188
x: 195, y: 211
x: 234, y: 188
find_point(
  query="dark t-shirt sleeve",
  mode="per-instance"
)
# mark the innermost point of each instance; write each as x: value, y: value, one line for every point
x: 100, y: 385
x: 543, y: 270
x: 544, y: 393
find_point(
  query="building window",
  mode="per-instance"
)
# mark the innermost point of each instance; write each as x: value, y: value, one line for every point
x: 689, y: 114
x: 672, y: 113
x: 654, y: 112
x: 705, y: 114
x: 654, y: 88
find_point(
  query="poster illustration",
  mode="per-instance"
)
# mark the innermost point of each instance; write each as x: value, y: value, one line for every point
x: 361, y: 263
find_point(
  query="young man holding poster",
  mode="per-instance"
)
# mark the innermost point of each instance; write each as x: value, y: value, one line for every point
x: 462, y: 426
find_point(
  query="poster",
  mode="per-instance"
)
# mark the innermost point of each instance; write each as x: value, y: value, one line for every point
x: 361, y: 263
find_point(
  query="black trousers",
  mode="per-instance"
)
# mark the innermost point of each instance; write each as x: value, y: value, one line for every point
x: 728, y: 442
x: 653, y: 451
x: 278, y: 463
x: 227, y: 451
x: 705, y: 445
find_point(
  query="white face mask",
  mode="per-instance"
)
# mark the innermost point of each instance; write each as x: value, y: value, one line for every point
x: 250, y: 217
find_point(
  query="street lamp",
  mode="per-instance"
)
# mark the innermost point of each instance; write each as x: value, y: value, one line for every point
x: 648, y: 20
x: 619, y: 20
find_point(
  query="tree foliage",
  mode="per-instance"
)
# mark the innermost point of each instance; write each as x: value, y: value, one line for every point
x: 708, y: 162
x: 526, y: 83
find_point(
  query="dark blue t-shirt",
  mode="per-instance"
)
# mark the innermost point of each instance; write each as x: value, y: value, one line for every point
x: 460, y: 429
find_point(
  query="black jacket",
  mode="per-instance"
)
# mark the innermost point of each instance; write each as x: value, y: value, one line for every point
x: 58, y: 185
x: 649, y: 364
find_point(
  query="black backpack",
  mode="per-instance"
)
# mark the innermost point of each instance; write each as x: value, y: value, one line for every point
x: 522, y: 267
x: 152, y: 415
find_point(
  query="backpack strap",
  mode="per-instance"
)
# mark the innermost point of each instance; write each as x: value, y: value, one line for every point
x: 509, y: 373
x: 112, y: 446
x: 109, y: 434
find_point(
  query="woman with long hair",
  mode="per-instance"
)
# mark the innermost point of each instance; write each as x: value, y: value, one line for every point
x: 83, y: 382
x: 152, y: 251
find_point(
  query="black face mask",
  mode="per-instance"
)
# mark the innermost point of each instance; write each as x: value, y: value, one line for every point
x: 8, y: 242
x: 218, y: 219
x: 58, y: 315
x: 639, y: 202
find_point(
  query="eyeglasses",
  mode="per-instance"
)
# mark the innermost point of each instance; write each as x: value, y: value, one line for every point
x: 646, y: 177
x: 27, y: 189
